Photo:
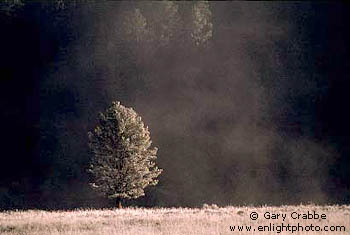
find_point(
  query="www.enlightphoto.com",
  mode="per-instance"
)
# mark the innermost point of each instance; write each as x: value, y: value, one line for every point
x: 174, y: 117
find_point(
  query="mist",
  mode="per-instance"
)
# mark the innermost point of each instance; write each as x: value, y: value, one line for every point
x: 230, y: 91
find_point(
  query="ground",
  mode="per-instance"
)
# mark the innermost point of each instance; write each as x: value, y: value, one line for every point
x: 175, y: 221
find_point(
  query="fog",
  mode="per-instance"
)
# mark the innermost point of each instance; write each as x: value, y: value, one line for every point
x: 211, y: 110
x: 229, y: 90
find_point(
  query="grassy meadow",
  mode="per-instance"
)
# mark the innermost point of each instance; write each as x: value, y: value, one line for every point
x: 175, y: 221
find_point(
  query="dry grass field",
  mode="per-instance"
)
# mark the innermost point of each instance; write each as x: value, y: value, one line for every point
x: 175, y: 221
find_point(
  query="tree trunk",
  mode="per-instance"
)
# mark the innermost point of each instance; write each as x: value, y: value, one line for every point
x: 119, y: 203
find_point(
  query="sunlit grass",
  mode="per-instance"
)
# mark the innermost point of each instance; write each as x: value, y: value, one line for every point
x: 206, y: 220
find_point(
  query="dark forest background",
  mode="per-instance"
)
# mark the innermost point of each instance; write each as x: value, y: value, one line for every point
x: 252, y: 109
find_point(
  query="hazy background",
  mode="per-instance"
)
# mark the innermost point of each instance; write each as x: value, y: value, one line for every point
x: 246, y: 101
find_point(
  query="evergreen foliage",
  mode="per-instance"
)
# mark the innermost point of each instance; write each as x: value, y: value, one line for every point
x: 123, y: 162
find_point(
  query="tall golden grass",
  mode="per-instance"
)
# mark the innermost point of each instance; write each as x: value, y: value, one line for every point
x: 175, y: 221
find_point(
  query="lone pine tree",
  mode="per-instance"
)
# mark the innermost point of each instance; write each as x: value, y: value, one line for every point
x: 123, y: 161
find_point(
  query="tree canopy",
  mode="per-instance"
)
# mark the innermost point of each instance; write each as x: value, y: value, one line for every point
x: 123, y: 162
